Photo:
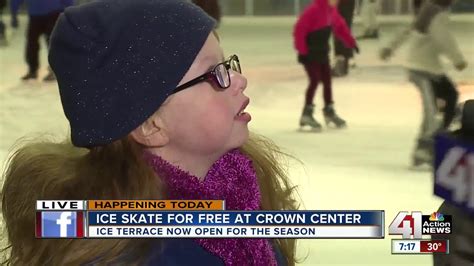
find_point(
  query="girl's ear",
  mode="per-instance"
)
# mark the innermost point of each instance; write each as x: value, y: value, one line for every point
x: 151, y: 133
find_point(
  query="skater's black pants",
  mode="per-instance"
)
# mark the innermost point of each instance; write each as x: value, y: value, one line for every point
x: 346, y: 9
x: 37, y: 26
x: 444, y: 89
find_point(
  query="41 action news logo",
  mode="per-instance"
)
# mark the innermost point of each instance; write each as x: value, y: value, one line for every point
x: 415, y: 224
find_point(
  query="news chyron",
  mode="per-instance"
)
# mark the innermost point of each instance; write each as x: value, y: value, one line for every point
x: 197, y: 219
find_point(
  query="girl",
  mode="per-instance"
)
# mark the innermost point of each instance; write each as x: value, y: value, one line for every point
x: 155, y: 113
x: 311, y: 39
x: 430, y: 39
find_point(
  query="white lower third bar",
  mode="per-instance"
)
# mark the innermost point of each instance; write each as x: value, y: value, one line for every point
x: 235, y: 232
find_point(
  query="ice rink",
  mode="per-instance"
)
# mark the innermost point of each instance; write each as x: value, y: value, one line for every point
x: 365, y: 166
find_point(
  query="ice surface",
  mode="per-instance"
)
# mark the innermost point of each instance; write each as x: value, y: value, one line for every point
x: 365, y: 166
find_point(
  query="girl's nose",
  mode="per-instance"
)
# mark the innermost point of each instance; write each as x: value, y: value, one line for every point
x: 238, y: 82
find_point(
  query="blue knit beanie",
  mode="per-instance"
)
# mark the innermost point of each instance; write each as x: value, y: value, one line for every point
x: 116, y: 61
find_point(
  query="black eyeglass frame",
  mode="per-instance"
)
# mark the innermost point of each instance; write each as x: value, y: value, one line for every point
x: 212, y: 75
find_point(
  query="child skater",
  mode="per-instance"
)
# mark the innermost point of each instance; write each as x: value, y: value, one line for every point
x: 442, y: 98
x: 155, y: 112
x: 311, y: 38
x: 431, y: 39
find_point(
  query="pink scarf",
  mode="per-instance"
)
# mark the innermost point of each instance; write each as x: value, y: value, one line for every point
x: 231, y: 178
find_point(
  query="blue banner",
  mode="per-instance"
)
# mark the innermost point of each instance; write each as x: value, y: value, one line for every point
x: 454, y: 172
x: 235, y: 218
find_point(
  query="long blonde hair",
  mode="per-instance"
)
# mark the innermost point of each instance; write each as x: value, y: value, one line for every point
x: 48, y: 170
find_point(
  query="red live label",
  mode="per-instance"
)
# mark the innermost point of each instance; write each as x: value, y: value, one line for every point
x: 434, y: 246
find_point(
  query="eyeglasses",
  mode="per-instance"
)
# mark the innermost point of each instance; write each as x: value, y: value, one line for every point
x: 219, y: 74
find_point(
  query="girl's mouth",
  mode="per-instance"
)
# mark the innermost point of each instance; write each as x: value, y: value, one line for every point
x: 242, y: 115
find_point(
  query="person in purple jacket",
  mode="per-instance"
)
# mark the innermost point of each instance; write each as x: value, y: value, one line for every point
x: 156, y: 111
x: 42, y: 17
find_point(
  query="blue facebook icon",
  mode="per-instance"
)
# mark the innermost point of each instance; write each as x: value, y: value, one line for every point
x: 59, y: 224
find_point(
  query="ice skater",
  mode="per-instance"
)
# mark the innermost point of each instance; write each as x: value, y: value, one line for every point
x: 42, y: 17
x: 311, y: 39
x: 341, y: 52
x: 397, y: 41
x: 430, y: 39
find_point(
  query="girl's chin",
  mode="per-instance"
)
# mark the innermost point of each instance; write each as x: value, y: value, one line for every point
x: 243, y: 137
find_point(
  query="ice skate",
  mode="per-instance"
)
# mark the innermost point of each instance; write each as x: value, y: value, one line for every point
x: 422, y: 157
x: 307, y: 119
x: 331, y: 117
x: 30, y: 76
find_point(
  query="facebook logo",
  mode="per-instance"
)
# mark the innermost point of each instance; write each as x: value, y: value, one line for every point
x: 60, y: 224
